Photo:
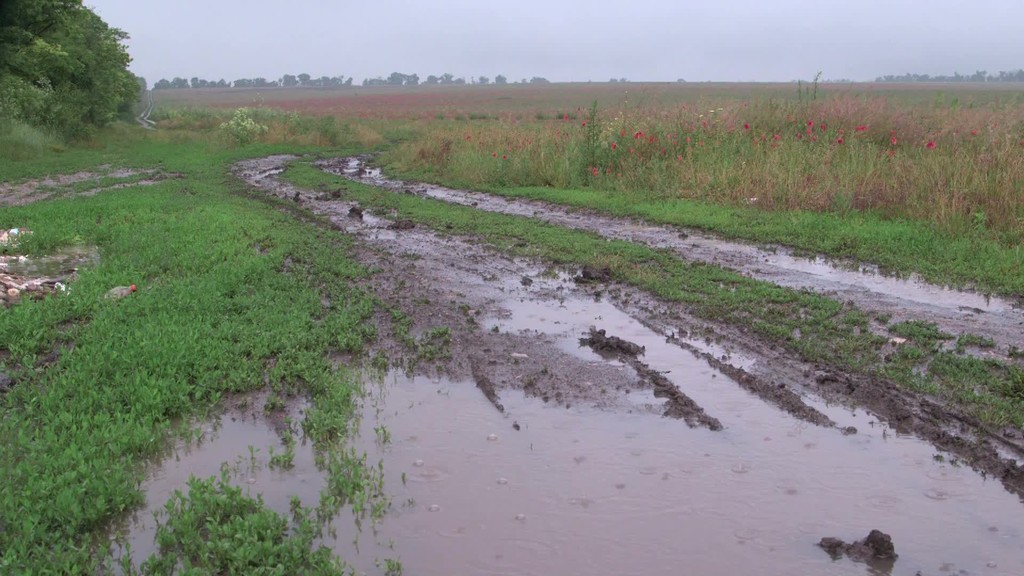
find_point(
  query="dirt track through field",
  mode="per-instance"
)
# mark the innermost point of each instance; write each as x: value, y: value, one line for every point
x: 954, y: 311
x: 580, y: 472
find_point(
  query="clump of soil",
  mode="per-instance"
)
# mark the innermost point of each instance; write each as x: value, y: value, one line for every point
x: 594, y: 275
x: 600, y: 342
x: 403, y: 224
x: 486, y: 386
x: 355, y: 212
x: 877, y: 545
x: 677, y: 405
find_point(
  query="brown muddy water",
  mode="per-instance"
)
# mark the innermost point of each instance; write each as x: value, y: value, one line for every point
x: 541, y: 489
x: 864, y: 284
x: 598, y: 481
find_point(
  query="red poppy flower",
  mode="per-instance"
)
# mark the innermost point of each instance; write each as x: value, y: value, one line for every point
x: 810, y: 123
x: 839, y: 140
x: 861, y: 128
x: 584, y: 123
x: 494, y: 155
x: 746, y: 126
x: 565, y: 117
x: 614, y: 145
x: 504, y: 156
x: 777, y: 137
x: 974, y: 132
x: 930, y: 145
x: 892, y: 140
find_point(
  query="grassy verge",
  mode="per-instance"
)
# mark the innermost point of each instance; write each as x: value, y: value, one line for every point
x: 230, y: 296
x: 815, y: 327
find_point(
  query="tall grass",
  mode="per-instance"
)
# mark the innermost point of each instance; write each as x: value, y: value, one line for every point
x: 958, y: 167
x: 19, y: 141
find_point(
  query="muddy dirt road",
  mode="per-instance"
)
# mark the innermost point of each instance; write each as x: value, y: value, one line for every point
x: 955, y: 311
x: 524, y: 450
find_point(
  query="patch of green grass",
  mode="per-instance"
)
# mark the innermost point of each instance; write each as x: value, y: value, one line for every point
x: 924, y: 333
x: 215, y: 529
x: 230, y: 292
x: 968, y: 340
x: 815, y: 327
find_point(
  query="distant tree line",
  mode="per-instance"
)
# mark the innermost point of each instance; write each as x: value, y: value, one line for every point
x: 287, y: 81
x: 62, y: 68
x: 979, y: 76
x: 305, y: 80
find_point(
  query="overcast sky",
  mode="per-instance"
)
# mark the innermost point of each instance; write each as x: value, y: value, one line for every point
x: 569, y: 40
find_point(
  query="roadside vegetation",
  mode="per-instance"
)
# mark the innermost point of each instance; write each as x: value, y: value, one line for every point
x: 230, y: 300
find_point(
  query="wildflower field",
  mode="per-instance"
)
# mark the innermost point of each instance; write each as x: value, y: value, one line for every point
x: 949, y: 155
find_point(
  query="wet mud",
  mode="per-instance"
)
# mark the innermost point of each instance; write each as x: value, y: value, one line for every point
x: 29, y: 191
x: 515, y: 451
x: 520, y: 326
x: 954, y: 311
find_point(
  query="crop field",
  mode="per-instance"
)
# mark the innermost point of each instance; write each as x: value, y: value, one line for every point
x: 568, y: 328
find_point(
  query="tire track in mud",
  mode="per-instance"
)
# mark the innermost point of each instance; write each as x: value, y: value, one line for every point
x: 437, y: 270
x: 954, y: 311
x: 445, y: 270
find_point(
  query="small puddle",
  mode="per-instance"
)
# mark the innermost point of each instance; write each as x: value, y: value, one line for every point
x: 64, y: 262
x: 244, y: 446
x: 591, y: 492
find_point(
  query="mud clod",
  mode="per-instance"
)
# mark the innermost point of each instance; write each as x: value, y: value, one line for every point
x: 526, y: 281
x: 600, y: 342
x: 877, y: 545
x: 355, y: 212
x: 403, y: 224
x: 677, y: 405
x: 486, y: 385
x: 594, y: 275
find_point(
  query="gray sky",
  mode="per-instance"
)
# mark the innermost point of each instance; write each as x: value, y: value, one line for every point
x: 565, y: 40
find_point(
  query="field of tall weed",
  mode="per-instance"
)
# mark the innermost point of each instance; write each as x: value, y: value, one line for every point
x: 960, y: 167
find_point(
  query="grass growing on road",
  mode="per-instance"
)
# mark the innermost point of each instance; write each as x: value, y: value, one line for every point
x: 817, y: 328
x: 230, y: 294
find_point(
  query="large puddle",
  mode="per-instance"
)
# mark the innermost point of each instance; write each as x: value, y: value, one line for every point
x: 588, y: 492
x: 953, y: 310
x: 544, y: 489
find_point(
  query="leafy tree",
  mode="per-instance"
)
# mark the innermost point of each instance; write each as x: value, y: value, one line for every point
x: 61, y: 66
x: 289, y: 80
x: 499, y: 79
x: 483, y: 80
x: 162, y: 84
x: 432, y: 80
x: 304, y: 79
